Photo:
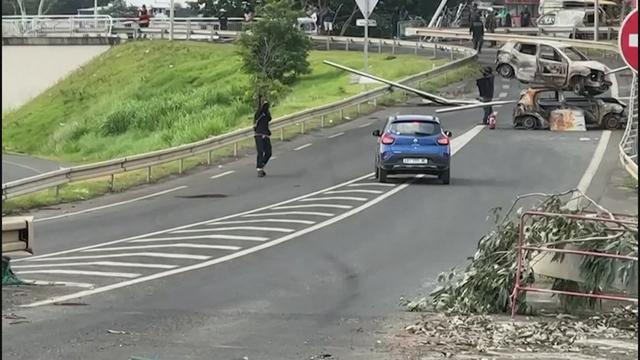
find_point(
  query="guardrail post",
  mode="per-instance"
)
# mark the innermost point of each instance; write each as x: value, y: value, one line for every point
x: 281, y: 134
x: 301, y: 127
x: 180, y: 166
x: 189, y: 29
x: 57, y: 192
x: 112, y: 180
x: 328, y: 43
x: 347, y: 45
x: 209, y: 157
x: 452, y: 54
x: 435, y: 49
x: 380, y: 46
x: 393, y: 46
x: 417, y: 44
x: 235, y: 149
x: 358, y: 108
x: 322, y: 121
x: 341, y: 114
x: 213, y: 31
x: 148, y: 174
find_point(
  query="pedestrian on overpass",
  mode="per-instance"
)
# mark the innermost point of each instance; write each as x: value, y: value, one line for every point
x: 486, y: 89
x: 477, y: 31
x: 262, y: 135
x: 491, y: 23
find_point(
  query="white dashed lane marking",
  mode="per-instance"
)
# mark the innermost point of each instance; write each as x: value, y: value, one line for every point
x: 302, y: 147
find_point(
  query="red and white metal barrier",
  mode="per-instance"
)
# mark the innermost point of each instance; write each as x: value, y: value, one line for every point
x: 523, y: 247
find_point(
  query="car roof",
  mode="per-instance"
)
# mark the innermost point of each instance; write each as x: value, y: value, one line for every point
x: 544, y: 42
x: 414, y: 117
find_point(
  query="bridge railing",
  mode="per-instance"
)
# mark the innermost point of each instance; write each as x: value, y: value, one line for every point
x: 56, y: 25
x: 460, y: 56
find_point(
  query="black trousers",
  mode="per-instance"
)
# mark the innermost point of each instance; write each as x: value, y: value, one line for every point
x: 487, y: 112
x: 263, y: 147
x: 477, y: 44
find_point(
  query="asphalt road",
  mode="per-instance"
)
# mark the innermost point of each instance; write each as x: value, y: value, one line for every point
x: 326, y: 280
x: 16, y: 167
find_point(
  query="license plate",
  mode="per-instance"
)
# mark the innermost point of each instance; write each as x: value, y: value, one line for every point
x: 415, y: 161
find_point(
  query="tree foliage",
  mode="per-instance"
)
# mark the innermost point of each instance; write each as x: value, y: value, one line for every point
x: 274, y: 51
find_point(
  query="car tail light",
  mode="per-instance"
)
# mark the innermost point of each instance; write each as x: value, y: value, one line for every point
x: 387, y: 139
x: 443, y: 140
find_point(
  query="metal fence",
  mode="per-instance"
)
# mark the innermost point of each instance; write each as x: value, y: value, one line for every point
x: 56, y: 25
x: 146, y: 161
x: 629, y: 143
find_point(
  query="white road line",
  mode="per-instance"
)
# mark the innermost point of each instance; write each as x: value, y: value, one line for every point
x: 371, y: 184
x: 591, y: 170
x: 335, y: 198
x: 223, y: 174
x: 506, y: 86
x: 110, y: 205
x: 503, y: 95
x: 98, y: 263
x: 458, y: 143
x: 335, y: 135
x: 354, y: 191
x: 312, y: 213
x: 211, y: 221
x: 365, y: 125
x: 233, y: 228
x: 180, y: 245
x: 62, y: 283
x: 194, y: 237
x: 285, y: 221
x: 79, y: 272
x: 302, y: 147
x: 140, y: 254
x: 22, y: 166
x: 332, y: 206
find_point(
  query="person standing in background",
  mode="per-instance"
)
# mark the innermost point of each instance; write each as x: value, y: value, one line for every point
x: 486, y: 89
x: 262, y: 135
x: 477, y: 31
x: 507, y: 20
x: 491, y: 24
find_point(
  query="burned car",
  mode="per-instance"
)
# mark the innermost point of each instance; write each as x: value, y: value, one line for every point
x: 535, y: 106
x: 554, y: 64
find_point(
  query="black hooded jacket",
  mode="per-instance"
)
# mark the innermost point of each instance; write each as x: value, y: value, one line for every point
x: 261, y: 120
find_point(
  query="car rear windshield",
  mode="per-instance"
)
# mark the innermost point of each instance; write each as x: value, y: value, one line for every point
x: 414, y: 128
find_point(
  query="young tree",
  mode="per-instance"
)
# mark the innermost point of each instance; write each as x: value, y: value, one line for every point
x: 274, y: 51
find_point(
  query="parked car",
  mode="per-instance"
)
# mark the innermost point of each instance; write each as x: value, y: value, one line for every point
x: 568, y: 19
x: 536, y: 104
x: 413, y: 144
x: 554, y: 64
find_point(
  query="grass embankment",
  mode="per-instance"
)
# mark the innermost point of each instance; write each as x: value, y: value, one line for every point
x: 313, y: 90
x: 143, y: 96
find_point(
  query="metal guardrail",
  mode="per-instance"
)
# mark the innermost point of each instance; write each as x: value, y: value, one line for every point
x: 465, y: 35
x: 56, y: 25
x: 17, y: 234
x: 629, y: 144
x: 109, y: 168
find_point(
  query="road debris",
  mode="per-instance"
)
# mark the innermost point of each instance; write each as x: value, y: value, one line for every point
x: 487, y: 282
x: 117, y: 332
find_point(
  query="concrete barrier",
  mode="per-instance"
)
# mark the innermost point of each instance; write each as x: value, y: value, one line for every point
x: 17, y: 234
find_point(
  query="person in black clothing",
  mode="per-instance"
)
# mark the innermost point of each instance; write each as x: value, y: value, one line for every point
x: 262, y: 137
x: 507, y: 20
x: 477, y: 30
x: 486, y: 88
x: 222, y: 18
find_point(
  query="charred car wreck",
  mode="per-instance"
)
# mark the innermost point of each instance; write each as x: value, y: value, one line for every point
x: 552, y: 64
x: 536, y: 105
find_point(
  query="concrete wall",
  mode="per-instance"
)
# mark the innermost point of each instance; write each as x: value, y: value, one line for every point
x: 29, y: 70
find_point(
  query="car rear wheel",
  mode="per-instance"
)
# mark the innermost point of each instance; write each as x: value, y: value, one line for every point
x: 529, y: 122
x: 611, y: 122
x: 506, y: 71
x: 381, y: 175
x: 445, y: 177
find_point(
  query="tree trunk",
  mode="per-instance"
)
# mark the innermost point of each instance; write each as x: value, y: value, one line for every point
x: 346, y: 23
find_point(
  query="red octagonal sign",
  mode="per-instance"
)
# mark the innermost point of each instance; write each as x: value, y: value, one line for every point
x: 628, y: 40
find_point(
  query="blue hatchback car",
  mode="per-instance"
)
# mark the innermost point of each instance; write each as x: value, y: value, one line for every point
x: 413, y: 144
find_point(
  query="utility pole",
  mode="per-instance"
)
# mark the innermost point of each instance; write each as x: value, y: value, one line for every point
x: 366, y: 37
x: 596, y: 19
x: 171, y: 16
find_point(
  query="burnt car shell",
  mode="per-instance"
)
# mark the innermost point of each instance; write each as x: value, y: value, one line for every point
x: 536, y: 104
